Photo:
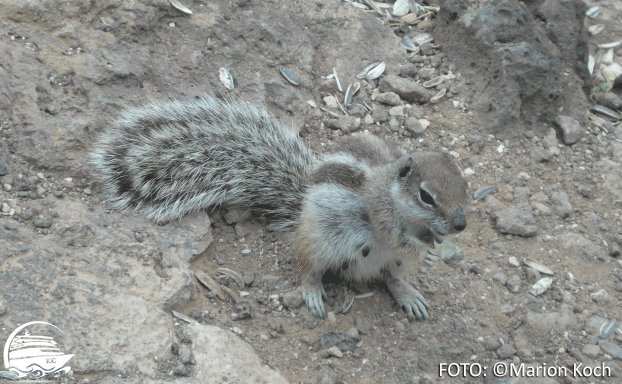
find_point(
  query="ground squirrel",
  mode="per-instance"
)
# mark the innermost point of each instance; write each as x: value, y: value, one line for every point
x: 359, y: 211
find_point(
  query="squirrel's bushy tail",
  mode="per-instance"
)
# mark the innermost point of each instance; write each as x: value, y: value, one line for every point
x: 170, y: 158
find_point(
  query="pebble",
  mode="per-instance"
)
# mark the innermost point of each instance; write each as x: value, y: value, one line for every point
x: 413, y: 126
x: 506, y: 351
x: 561, y: 204
x: 513, y: 261
x: 7, y: 187
x: 389, y: 98
x: 492, y: 344
x: 601, y: 297
x: 591, y: 351
x: 399, y: 327
x: 571, y: 129
x: 180, y: 369
x: 270, y: 279
x: 331, y: 102
x: 610, y: 348
x: 353, y: 333
x: 516, y: 220
x: 293, y: 299
x: 334, y: 351
x: 43, y: 222
x: 514, y: 283
x: 500, y: 278
x: 5, y: 208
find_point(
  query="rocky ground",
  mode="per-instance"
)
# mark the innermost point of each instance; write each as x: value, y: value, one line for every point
x: 515, y: 115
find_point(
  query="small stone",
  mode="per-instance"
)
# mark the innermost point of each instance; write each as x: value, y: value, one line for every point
x: 2, y: 309
x: 331, y: 102
x: 405, y: 88
x: 591, y: 351
x: 550, y: 140
x: 500, y: 278
x: 571, y: 129
x: 507, y: 309
x: 293, y: 299
x: 516, y: 220
x: 506, y: 351
x: 180, y: 369
x: 492, y: 344
x: 43, y: 222
x: 5, y: 208
x: 540, y: 154
x: 87, y: 191
x: 513, y: 261
x: 533, y: 275
x: 185, y: 354
x: 562, y: 206
x: 7, y: 187
x: 610, y: 348
x: 398, y: 326
x: 424, y: 123
x: 601, y: 297
x: 586, y: 192
x: 344, y: 123
x: 241, y: 231
x: 394, y: 124
x: 514, y: 283
x: 389, y: 98
x: 270, y: 280
x: 331, y: 317
x: 368, y: 119
x: 248, y: 277
x: 353, y: 333
x: 334, y: 351
x: 413, y: 126
x: 610, y: 100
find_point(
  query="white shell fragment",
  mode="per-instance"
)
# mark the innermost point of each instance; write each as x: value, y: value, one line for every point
x: 434, y: 82
x: 484, y: 191
x: 423, y: 38
x: 375, y: 72
x: 596, y: 29
x: 607, y: 112
x: 226, y: 78
x: 350, y: 92
x: 538, y: 267
x: 408, y: 43
x: 542, y: 285
x: 365, y: 70
x: 607, y: 329
x: 401, y: 8
x: 290, y: 76
x: 438, y: 96
x: 593, y: 12
x: 185, y: 318
x: 210, y: 283
x: 178, y: 5
x: 611, y: 72
x: 615, y: 44
x: 337, y: 80
x: 233, y: 275
x: 608, y: 57
x: 591, y: 62
x: 417, y: 8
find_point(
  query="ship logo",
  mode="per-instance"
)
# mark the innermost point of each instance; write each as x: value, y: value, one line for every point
x: 33, y: 356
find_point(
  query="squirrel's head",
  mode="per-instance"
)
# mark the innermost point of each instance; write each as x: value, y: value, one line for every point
x: 430, y: 195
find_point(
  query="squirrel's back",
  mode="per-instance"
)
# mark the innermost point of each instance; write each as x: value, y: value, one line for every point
x: 167, y: 159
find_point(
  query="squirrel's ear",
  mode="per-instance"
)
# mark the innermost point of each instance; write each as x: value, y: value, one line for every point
x: 406, y: 167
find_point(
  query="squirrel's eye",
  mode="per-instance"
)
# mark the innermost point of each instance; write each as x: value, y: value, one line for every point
x: 426, y: 197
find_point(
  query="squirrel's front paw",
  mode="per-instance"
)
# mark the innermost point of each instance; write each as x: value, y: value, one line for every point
x: 408, y: 298
x: 312, y: 293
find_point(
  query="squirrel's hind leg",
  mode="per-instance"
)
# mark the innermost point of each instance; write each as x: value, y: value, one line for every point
x: 313, y: 292
x: 408, y: 298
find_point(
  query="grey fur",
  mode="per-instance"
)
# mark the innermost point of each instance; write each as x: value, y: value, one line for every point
x: 171, y: 158
x: 359, y: 211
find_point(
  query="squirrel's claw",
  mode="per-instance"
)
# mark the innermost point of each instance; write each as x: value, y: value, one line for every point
x: 312, y: 293
x: 409, y: 298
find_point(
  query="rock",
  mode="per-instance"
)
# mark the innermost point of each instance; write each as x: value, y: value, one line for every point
x: 561, y: 204
x: 293, y: 299
x: 492, y: 344
x: 500, y: 278
x: 610, y: 100
x: 580, y: 246
x: 601, y: 297
x: 364, y: 325
x: 506, y: 351
x: 353, y: 333
x: 514, y: 283
x: 516, y: 220
x: 543, y: 209
x: 521, y: 194
x: 270, y: 280
x: 413, y: 126
x: 550, y: 140
x: 571, y: 129
x: 43, y: 222
x: 334, y: 351
x: 222, y: 356
x: 409, y: 70
x: 611, y: 349
x: 389, y: 98
x: 406, y: 89
x: 380, y: 115
x: 344, y: 123
x: 241, y: 231
x: 331, y: 102
x: 613, y: 176
x: 505, y: 40
x: 586, y: 192
x: 540, y: 154
x: 591, y: 351
x: 493, y: 204
x: 234, y: 215
x: 564, y: 319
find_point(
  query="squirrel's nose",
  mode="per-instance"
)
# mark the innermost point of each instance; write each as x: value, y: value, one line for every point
x: 458, y: 220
